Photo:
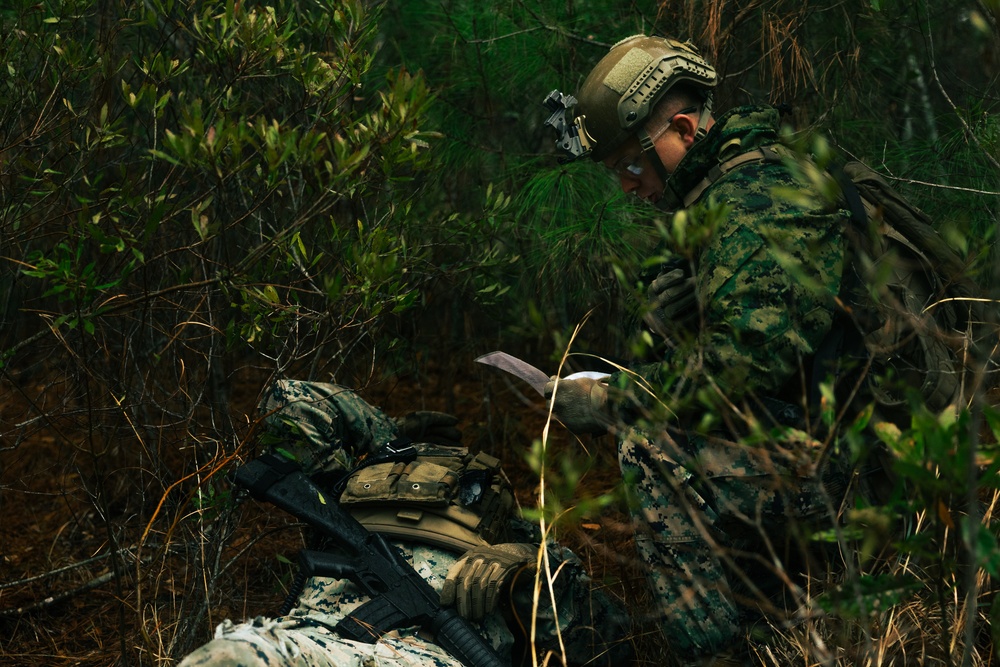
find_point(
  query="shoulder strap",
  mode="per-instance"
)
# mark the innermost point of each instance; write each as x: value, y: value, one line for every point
x: 860, y: 209
x: 772, y: 153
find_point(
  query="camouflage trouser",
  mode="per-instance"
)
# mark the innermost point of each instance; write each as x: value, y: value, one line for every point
x: 693, y: 500
x: 291, y: 642
x: 305, y: 637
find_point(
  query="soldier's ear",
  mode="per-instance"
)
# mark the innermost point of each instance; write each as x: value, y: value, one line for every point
x: 686, y: 125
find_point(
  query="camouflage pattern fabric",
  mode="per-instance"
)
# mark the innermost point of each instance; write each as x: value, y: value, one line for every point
x: 326, y: 427
x: 306, y: 635
x: 289, y: 642
x: 699, y: 501
x: 767, y: 279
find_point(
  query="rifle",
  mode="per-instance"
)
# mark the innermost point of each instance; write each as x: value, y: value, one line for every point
x: 399, y: 595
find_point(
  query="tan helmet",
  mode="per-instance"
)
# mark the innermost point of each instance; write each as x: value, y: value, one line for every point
x: 621, y: 91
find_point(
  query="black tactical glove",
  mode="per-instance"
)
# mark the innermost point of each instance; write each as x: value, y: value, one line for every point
x: 429, y: 426
x: 580, y: 404
x: 673, y: 301
x: 475, y: 580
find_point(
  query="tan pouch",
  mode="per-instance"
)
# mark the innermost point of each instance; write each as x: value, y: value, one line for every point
x: 373, y: 483
x: 450, y: 527
x: 426, y: 483
x: 418, y: 500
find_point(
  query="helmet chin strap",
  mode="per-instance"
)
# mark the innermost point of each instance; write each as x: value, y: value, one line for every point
x: 671, y: 201
x: 648, y: 146
x: 706, y: 113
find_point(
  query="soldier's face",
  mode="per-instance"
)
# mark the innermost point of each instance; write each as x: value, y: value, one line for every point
x: 671, y: 142
x: 633, y: 166
x: 635, y: 173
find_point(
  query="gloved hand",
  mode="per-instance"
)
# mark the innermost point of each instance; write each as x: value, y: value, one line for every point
x: 473, y: 583
x: 580, y: 404
x: 430, y: 426
x: 673, y: 301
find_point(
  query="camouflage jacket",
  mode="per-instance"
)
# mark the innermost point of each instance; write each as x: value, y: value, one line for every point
x: 767, y: 278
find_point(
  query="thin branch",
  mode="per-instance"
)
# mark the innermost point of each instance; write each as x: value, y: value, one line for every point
x: 912, y: 181
x: 490, y: 40
x: 56, y: 599
x: 957, y: 188
x: 965, y: 126
x: 561, y: 30
x: 60, y: 570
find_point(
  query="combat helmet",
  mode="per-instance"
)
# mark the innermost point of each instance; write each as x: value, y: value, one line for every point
x: 621, y: 91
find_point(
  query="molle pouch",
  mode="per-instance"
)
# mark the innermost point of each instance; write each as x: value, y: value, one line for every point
x: 444, y: 496
x: 373, y: 484
x: 426, y: 483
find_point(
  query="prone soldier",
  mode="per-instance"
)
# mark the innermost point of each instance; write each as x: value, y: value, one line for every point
x: 449, y: 514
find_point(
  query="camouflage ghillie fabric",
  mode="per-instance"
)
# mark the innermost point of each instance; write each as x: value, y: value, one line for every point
x: 767, y: 278
x: 327, y: 428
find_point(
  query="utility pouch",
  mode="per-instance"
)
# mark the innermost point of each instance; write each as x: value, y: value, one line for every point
x: 444, y: 497
x: 426, y: 482
x: 373, y: 483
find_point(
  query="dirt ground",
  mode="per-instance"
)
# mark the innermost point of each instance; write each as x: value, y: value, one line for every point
x: 108, y: 564
x: 120, y: 545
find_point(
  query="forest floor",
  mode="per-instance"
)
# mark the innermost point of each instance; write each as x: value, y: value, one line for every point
x: 110, y: 563
x: 76, y: 590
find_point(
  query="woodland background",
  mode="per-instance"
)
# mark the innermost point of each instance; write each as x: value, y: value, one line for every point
x: 197, y: 197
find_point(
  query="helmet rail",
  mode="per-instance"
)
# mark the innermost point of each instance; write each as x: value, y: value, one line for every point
x: 620, y: 93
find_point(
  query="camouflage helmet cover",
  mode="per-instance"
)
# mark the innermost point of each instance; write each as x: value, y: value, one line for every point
x: 621, y: 91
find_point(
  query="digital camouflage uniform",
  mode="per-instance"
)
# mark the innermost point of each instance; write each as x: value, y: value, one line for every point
x: 326, y: 428
x: 766, y: 283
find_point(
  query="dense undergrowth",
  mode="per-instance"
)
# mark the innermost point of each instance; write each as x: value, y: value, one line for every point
x: 197, y: 197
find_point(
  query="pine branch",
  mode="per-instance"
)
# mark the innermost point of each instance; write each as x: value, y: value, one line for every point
x: 965, y: 126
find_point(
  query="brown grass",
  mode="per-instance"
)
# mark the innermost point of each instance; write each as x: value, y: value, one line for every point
x: 118, y: 565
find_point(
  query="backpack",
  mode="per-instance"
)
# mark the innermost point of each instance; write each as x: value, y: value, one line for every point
x: 913, y: 304
x: 909, y: 311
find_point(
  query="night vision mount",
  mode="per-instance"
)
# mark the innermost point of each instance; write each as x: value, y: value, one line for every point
x: 572, y: 138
